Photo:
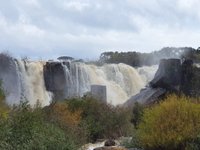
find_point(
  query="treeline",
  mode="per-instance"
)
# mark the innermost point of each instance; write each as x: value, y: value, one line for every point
x: 136, y: 59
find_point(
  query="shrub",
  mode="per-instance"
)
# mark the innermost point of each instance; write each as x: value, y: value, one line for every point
x: 137, y: 114
x: 26, y: 128
x: 60, y: 113
x: 3, y: 106
x: 102, y: 120
x: 170, y: 124
x: 69, y: 121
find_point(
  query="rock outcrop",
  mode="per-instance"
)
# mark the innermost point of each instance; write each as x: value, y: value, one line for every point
x: 146, y: 96
x: 55, y: 80
x: 110, y: 148
x: 168, y: 75
x: 110, y: 143
x: 9, y: 78
x: 171, y: 76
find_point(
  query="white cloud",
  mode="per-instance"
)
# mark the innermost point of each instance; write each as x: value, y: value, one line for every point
x: 85, y: 28
x: 75, y: 5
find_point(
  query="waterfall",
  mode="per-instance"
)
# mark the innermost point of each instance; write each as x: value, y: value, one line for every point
x: 29, y: 80
x: 122, y: 81
x: 147, y: 72
x: 32, y: 83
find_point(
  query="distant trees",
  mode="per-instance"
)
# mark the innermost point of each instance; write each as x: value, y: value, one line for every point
x: 139, y: 59
x: 65, y: 58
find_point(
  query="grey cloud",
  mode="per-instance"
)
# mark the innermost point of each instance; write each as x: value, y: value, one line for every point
x: 85, y: 28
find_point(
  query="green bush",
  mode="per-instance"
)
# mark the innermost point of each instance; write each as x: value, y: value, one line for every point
x: 102, y: 120
x: 3, y: 106
x: 25, y: 128
x: 172, y: 124
x: 194, y: 144
x: 63, y: 125
x: 137, y: 114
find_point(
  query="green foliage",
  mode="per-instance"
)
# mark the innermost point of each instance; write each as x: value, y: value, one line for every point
x: 102, y: 120
x: 2, y: 95
x: 136, y: 59
x: 131, y: 143
x: 26, y: 128
x: 194, y: 144
x: 3, y: 106
x: 62, y: 125
x: 137, y: 114
x: 172, y: 124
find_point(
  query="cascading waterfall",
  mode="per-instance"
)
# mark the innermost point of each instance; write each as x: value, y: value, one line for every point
x: 122, y: 81
x: 32, y: 83
x: 26, y: 80
x: 147, y: 72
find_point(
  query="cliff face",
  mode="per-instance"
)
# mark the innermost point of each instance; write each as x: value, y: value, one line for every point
x: 55, y: 79
x: 190, y: 79
x: 172, y: 76
x: 168, y: 75
x: 9, y: 78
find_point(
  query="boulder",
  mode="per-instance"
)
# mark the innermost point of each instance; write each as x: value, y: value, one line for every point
x: 168, y: 75
x: 110, y: 148
x: 99, y: 92
x: 167, y: 79
x: 110, y: 143
x: 55, y: 80
x: 146, y: 96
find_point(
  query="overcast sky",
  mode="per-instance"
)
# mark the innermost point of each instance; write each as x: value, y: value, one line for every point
x: 85, y: 28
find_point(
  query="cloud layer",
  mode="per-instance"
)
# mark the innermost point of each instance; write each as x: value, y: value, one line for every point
x: 85, y: 28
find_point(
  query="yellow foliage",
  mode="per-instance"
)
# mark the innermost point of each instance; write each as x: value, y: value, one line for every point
x: 64, y: 116
x: 4, y: 109
x: 170, y: 123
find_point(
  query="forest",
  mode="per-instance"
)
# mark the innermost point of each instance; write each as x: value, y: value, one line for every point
x: 137, y: 59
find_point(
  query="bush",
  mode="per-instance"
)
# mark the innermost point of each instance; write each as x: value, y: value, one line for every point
x: 62, y: 125
x: 193, y: 144
x: 171, y: 124
x: 102, y: 120
x: 26, y: 128
x: 3, y: 106
x: 137, y: 114
x: 69, y: 121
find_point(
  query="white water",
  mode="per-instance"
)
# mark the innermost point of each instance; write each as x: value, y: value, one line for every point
x: 91, y: 146
x: 25, y: 81
x: 147, y: 73
x: 32, y: 83
x: 122, y: 81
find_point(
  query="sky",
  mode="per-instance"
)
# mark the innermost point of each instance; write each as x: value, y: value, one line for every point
x: 86, y: 28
